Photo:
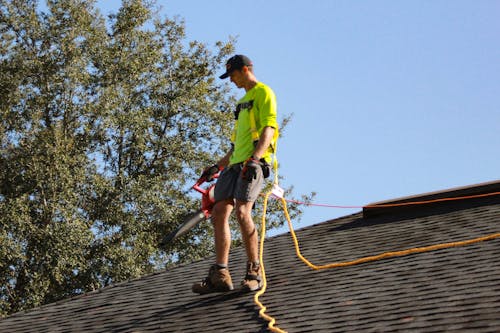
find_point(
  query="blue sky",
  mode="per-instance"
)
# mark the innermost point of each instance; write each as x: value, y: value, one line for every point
x: 389, y: 98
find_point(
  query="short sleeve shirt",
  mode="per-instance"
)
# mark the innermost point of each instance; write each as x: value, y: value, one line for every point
x: 262, y: 102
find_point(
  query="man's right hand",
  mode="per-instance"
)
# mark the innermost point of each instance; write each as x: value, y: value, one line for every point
x: 209, y: 172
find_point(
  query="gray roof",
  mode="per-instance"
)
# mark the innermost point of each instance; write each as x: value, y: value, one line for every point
x: 450, y: 290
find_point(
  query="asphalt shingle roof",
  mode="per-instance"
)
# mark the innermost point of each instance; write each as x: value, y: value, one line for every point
x: 450, y: 290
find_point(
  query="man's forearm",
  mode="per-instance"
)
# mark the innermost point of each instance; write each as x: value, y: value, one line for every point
x: 265, y: 140
x: 224, y: 161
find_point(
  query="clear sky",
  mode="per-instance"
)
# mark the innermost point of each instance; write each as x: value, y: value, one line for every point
x: 389, y: 98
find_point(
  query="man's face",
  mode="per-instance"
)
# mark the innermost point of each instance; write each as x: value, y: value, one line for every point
x: 237, y: 77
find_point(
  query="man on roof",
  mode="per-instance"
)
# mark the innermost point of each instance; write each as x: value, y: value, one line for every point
x: 244, y: 168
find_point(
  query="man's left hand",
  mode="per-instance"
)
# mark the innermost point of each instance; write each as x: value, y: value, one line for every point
x: 249, y: 171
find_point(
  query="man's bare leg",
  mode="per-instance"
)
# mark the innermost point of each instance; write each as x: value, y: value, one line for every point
x: 220, y: 219
x: 253, y: 278
x: 248, y: 231
x: 218, y: 278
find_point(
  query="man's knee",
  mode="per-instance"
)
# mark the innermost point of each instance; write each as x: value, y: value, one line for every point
x: 222, y: 209
x: 244, y: 212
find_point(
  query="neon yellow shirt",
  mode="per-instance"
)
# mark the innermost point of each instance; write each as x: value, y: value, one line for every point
x: 262, y: 102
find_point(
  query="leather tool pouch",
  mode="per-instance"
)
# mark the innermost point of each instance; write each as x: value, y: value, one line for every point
x: 266, y: 168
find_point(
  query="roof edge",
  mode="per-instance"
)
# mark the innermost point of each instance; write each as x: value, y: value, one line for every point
x: 371, y: 210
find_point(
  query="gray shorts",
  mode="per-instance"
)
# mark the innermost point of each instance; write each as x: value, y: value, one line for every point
x: 230, y: 185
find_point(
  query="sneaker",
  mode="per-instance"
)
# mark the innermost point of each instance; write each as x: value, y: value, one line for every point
x: 253, y: 279
x: 218, y: 280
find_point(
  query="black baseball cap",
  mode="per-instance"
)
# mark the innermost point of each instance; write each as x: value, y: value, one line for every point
x: 236, y: 62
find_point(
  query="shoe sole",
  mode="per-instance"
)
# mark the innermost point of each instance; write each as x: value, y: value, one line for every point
x: 248, y: 289
x: 211, y: 291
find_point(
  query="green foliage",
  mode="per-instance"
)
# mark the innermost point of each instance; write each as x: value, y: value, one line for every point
x: 104, y: 126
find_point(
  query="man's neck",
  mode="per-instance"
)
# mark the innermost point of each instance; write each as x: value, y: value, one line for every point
x: 250, y: 84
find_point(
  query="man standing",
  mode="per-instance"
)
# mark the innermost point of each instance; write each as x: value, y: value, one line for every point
x: 244, y: 168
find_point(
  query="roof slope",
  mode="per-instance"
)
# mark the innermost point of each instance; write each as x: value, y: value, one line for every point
x: 450, y: 290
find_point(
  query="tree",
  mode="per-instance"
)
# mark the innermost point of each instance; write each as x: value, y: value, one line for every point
x: 105, y: 124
